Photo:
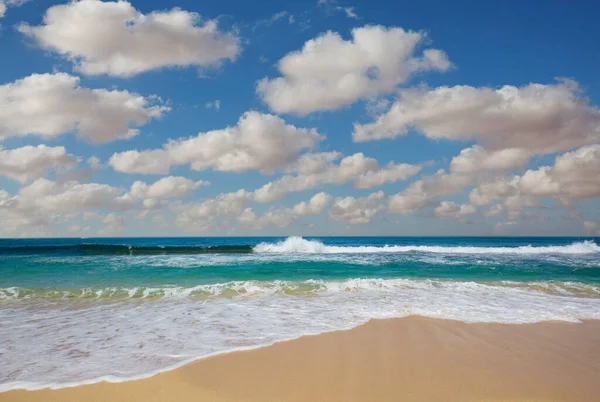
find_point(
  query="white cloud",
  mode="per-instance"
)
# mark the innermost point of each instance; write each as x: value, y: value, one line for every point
x: 573, y: 177
x: 331, y: 5
x: 357, y: 210
x: 258, y: 142
x: 591, y: 228
x: 476, y: 158
x: 116, y: 39
x: 391, y: 173
x: 144, y: 162
x: 349, y: 11
x: 511, y: 124
x: 452, y: 210
x: 29, y: 162
x: 4, y: 4
x: 421, y: 193
x: 167, y: 187
x: 273, y: 19
x: 113, y: 225
x: 49, y: 105
x: 533, y: 119
x: 330, y: 72
x: 199, y: 216
x: 44, y: 202
x: 314, y: 206
x: 47, y: 195
x: 216, y: 105
x: 280, y: 217
x: 317, y: 169
x: 495, y: 209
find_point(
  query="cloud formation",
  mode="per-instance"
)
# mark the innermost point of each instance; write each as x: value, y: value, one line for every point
x: 45, y: 202
x: 49, y: 105
x: 314, y: 170
x: 330, y: 72
x: 116, y: 39
x: 167, y: 187
x: 452, y: 210
x: 4, y: 4
x: 282, y: 217
x: 533, y: 119
x: 257, y: 142
x: 29, y: 162
x: 573, y: 177
x: 357, y: 210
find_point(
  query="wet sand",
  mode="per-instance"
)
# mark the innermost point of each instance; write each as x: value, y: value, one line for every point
x: 404, y: 359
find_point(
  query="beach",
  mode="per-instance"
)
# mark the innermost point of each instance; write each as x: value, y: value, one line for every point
x: 299, y: 318
x: 413, y: 359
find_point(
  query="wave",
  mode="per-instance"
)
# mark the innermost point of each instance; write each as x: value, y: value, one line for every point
x: 291, y: 245
x: 292, y: 288
x: 300, y: 245
x: 84, y: 343
x: 123, y: 249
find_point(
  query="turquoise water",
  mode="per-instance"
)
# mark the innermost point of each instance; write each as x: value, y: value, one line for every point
x: 125, y: 308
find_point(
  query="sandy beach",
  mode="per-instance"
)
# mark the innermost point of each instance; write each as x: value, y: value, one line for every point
x: 410, y: 359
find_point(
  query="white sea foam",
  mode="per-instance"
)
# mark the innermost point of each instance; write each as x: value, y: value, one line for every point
x: 89, y: 342
x: 250, y: 288
x: 299, y: 245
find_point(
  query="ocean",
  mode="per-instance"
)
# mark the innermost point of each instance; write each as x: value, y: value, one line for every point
x: 77, y: 311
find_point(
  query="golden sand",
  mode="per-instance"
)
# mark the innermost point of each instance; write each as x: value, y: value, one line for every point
x: 405, y: 359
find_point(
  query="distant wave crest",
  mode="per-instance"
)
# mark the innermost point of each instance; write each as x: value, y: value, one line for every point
x: 124, y: 249
x: 300, y: 245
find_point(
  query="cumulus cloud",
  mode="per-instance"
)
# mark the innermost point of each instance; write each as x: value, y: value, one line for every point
x: 476, y: 158
x: 145, y: 162
x: 49, y: 105
x: 510, y: 125
x: 452, y: 210
x: 573, y: 177
x: 330, y: 72
x: 29, y: 162
x: 45, y: 202
x: 113, y: 224
x: 318, y: 169
x: 532, y: 119
x: 257, y: 142
x: 199, y: 216
x: 116, y: 39
x: 282, y: 217
x: 357, y: 210
x: 314, y: 206
x: 493, y: 210
x: 422, y: 193
x: 167, y: 187
x: 204, y: 215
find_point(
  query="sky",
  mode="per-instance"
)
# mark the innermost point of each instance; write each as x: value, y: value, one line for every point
x: 311, y: 118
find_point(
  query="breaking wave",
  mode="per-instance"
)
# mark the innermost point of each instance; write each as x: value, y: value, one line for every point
x: 294, y: 288
x: 300, y: 245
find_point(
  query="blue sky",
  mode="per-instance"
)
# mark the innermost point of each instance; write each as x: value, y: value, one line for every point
x: 535, y: 146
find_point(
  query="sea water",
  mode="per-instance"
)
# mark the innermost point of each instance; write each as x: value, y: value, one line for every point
x: 77, y: 311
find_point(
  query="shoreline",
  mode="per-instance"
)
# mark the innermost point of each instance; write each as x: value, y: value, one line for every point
x: 415, y: 357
